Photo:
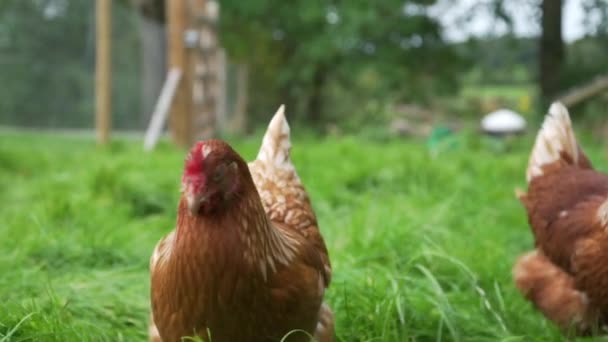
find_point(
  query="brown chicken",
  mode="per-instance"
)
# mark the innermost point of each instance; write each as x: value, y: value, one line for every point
x: 566, y: 276
x: 246, y: 261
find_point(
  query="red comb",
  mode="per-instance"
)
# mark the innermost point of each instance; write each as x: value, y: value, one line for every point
x: 194, y: 160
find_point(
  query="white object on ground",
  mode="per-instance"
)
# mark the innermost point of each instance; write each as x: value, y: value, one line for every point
x: 503, y: 121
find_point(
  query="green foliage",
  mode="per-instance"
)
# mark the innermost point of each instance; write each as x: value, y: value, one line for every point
x: 421, y: 244
x: 501, y: 60
x: 302, y: 50
x: 585, y: 61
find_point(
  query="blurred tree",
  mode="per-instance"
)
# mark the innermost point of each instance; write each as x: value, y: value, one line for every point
x: 506, y: 59
x: 560, y: 66
x: 296, y: 50
x: 551, y: 53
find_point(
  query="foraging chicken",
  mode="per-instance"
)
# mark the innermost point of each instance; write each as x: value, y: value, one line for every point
x: 566, y: 276
x: 246, y: 261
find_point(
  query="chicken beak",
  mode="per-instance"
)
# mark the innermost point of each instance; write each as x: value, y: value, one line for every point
x: 195, y: 203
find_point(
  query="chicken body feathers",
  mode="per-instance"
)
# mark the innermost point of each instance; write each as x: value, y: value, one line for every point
x: 553, y: 291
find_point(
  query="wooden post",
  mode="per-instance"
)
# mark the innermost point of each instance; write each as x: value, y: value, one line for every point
x: 205, y: 91
x: 181, y: 108
x: 103, y: 70
x: 193, y: 48
x: 221, y: 89
x: 239, y: 120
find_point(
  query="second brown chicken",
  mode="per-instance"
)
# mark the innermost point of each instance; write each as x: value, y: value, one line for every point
x: 566, y: 275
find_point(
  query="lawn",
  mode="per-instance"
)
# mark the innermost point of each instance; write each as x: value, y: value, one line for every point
x: 421, y: 243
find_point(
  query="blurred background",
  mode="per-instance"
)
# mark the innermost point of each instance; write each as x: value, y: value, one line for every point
x: 391, y: 67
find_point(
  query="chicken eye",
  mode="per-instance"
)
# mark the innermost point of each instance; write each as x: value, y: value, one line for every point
x: 219, y: 173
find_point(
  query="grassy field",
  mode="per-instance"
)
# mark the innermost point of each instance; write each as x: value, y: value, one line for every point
x: 422, y: 243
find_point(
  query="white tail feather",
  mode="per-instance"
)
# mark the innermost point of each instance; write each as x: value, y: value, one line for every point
x: 555, y: 136
x: 276, y: 143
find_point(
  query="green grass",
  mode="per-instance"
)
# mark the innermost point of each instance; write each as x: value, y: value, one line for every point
x: 421, y: 243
